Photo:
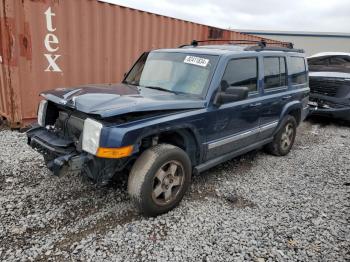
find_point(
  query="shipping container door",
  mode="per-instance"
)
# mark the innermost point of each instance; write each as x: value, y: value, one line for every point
x: 4, y: 110
x: 2, y: 91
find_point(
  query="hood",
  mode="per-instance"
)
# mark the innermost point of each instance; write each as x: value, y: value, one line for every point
x: 324, y: 54
x: 346, y: 76
x: 108, y: 100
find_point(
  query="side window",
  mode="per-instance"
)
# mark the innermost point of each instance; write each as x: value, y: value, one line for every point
x: 274, y: 72
x: 242, y: 72
x: 297, y: 70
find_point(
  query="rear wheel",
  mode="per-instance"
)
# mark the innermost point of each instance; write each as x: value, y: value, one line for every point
x: 284, y: 139
x: 159, y: 179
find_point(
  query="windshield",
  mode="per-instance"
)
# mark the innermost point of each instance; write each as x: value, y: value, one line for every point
x: 330, y: 63
x: 176, y: 72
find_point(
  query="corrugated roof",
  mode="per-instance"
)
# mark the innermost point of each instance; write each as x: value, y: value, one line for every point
x: 294, y: 33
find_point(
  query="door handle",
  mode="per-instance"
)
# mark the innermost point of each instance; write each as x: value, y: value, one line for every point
x: 255, y: 105
x: 286, y: 97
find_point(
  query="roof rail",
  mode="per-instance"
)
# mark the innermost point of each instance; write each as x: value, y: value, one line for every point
x: 261, y: 45
x: 272, y: 48
x: 195, y: 43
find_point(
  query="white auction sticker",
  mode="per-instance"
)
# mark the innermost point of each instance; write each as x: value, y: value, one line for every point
x: 196, y: 61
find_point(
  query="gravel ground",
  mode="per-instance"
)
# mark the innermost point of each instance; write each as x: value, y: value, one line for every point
x: 257, y: 207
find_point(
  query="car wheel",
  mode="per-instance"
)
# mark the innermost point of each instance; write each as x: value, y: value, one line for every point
x: 284, y: 139
x: 159, y: 179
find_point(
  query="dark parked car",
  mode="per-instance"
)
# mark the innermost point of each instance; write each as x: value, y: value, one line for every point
x: 178, y: 111
x: 330, y: 85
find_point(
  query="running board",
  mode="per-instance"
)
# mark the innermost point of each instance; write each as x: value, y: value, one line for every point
x: 213, y: 162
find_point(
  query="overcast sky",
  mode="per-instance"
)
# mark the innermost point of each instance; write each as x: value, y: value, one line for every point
x: 295, y: 15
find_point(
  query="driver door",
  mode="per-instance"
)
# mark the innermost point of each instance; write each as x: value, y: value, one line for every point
x: 236, y: 124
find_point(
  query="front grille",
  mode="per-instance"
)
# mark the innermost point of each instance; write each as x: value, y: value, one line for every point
x: 327, y: 87
x: 69, y: 127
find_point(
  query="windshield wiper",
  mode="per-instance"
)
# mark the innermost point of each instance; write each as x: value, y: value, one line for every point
x: 132, y: 85
x: 161, y: 89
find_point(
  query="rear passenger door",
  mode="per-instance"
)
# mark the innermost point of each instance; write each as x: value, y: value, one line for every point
x: 275, y: 85
x: 235, y: 125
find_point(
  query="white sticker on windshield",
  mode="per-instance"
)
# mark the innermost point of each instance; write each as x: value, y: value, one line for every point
x: 196, y: 61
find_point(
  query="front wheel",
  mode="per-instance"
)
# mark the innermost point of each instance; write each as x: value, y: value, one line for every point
x: 284, y: 139
x: 159, y: 179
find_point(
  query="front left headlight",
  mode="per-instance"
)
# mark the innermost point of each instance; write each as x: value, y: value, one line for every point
x: 42, y: 112
x: 91, y: 136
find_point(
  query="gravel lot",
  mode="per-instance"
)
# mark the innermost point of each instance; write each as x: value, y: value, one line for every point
x: 257, y: 207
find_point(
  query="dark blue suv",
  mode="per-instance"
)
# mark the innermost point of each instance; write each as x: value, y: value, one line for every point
x: 177, y: 111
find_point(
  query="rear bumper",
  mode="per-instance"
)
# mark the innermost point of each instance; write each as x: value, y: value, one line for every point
x: 59, y: 153
x: 305, y: 112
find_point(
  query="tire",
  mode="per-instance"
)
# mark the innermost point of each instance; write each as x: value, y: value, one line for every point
x: 284, y: 139
x: 159, y: 179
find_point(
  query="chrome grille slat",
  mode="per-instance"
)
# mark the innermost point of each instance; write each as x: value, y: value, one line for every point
x: 326, y: 87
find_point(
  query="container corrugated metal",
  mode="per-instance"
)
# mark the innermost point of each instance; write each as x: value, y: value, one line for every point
x: 53, y: 43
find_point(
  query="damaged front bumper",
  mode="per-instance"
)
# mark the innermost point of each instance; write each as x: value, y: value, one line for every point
x: 60, y: 154
x: 329, y: 107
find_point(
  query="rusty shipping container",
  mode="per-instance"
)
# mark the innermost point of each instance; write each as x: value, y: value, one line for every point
x: 46, y: 44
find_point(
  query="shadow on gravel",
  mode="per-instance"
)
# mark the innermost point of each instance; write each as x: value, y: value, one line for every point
x: 205, y: 185
x: 243, y: 162
x: 119, y: 181
x: 324, y: 121
x: 3, y: 126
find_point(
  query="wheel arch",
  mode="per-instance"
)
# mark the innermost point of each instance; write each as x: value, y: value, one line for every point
x: 185, y: 138
x: 294, y: 109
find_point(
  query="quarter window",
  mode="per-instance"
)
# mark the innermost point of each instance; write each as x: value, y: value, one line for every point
x: 275, y: 72
x: 297, y: 70
x: 242, y: 72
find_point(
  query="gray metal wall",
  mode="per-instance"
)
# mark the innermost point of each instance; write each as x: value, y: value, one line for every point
x: 315, y: 44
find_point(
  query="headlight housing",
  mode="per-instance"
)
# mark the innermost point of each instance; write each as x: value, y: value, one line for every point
x: 42, y: 112
x: 91, y: 136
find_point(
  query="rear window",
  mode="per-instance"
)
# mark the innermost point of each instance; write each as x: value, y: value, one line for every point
x: 297, y: 70
x: 275, y: 72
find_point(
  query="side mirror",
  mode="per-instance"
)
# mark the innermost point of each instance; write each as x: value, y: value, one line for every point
x: 231, y: 94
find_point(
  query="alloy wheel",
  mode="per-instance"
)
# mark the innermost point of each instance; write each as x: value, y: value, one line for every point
x: 167, y: 182
x: 287, y: 136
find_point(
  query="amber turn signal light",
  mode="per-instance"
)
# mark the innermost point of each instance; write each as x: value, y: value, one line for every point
x: 119, y: 152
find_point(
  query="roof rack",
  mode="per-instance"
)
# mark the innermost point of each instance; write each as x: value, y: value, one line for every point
x: 272, y: 48
x: 195, y: 43
x: 261, y: 45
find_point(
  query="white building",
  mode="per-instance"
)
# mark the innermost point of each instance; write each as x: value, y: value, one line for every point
x: 311, y: 42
